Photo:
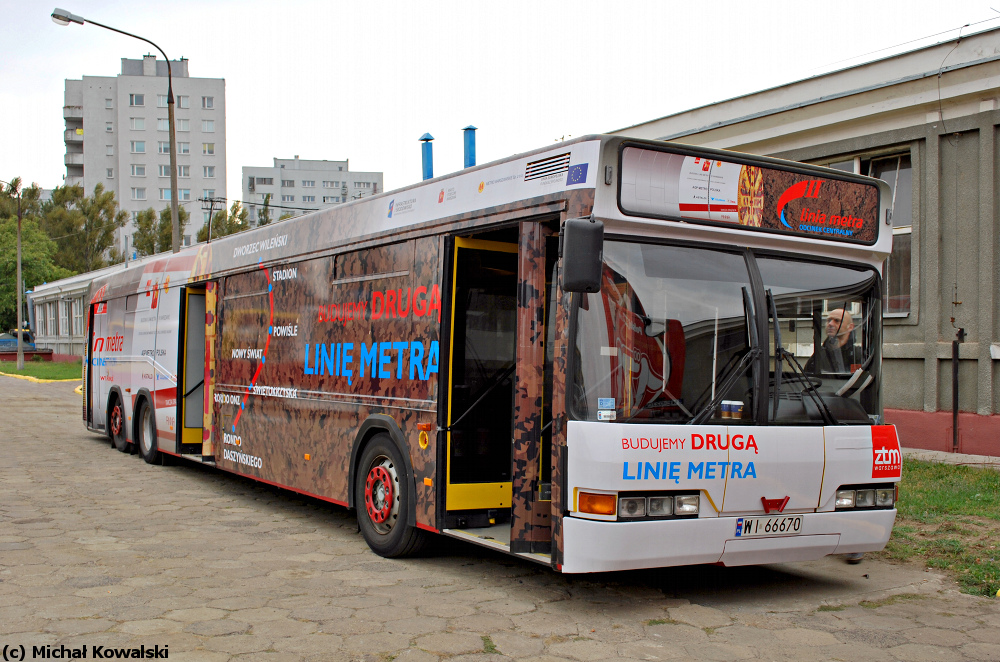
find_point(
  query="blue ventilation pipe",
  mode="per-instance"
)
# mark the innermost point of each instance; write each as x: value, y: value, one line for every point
x: 427, y: 154
x: 470, y: 146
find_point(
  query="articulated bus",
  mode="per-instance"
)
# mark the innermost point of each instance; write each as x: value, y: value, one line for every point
x: 603, y: 355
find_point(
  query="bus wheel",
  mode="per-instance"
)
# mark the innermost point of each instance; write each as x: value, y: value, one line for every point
x: 382, y: 501
x: 116, y: 424
x: 147, y: 434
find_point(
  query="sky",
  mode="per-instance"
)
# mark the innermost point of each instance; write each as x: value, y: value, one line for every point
x: 363, y: 80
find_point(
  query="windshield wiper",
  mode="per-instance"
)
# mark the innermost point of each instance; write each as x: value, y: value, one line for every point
x: 724, y: 387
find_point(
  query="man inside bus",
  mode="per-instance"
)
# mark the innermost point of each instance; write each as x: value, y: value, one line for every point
x: 837, y: 354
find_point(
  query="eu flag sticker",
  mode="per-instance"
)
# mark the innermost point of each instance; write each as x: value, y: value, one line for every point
x: 577, y: 174
x: 739, y: 527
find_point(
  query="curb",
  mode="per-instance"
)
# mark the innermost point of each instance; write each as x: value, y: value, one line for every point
x: 40, y: 381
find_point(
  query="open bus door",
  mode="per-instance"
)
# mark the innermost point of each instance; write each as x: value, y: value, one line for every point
x: 499, y: 388
x: 191, y: 402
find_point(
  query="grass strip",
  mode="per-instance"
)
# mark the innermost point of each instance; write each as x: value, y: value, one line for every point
x: 48, y: 370
x: 949, y: 519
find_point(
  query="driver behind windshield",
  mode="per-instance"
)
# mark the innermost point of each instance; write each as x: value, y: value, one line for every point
x: 838, y: 352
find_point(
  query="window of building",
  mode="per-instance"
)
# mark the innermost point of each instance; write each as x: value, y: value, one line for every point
x: 208, y: 126
x: 331, y: 184
x: 183, y: 194
x: 136, y: 100
x: 40, y: 318
x: 262, y: 196
x: 264, y: 181
x: 288, y: 183
x: 164, y: 194
x: 184, y: 101
x: 137, y: 123
x: 308, y: 183
x: 187, y: 240
x: 52, y: 319
x: 138, y: 146
x: 163, y: 124
x: 208, y: 193
x: 308, y: 198
x: 183, y: 148
x: 161, y: 100
x: 135, y: 218
x: 78, y: 316
x: 110, y: 150
x: 164, y: 170
x: 331, y: 198
x: 64, y: 317
x: 138, y: 193
x: 110, y: 173
x: 897, y: 172
x: 208, y: 149
x: 108, y: 104
x: 208, y: 172
x: 208, y: 103
x: 288, y: 198
x: 138, y: 170
x: 362, y: 184
x: 163, y: 147
x: 182, y: 125
x: 183, y: 171
x: 109, y: 127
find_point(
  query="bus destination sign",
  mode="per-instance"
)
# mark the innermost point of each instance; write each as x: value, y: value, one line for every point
x: 665, y: 184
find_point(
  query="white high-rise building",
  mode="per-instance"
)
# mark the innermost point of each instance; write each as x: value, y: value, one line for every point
x: 117, y: 135
x: 298, y: 186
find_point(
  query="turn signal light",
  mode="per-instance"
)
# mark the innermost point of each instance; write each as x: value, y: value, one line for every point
x: 596, y: 504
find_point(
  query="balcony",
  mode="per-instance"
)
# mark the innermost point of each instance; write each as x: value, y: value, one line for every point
x: 73, y: 135
x: 73, y: 181
x: 74, y: 159
x: 72, y: 112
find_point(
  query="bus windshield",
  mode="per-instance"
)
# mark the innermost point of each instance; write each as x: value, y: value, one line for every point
x: 672, y: 337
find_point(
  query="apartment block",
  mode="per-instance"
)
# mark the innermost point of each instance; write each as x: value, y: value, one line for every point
x: 298, y: 186
x: 117, y: 134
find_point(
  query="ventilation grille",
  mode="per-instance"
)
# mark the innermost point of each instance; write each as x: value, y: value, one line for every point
x: 553, y: 165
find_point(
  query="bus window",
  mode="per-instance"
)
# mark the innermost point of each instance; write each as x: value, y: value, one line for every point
x: 828, y: 322
x: 667, y: 336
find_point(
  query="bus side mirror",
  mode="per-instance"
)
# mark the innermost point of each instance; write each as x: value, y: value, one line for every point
x: 583, y: 255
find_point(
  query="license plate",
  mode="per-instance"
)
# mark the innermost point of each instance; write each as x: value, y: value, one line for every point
x: 785, y: 525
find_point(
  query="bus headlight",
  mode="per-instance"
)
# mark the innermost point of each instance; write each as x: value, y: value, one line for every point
x: 885, y: 496
x: 661, y: 506
x: 864, y: 498
x: 687, y: 504
x: 632, y: 507
x: 845, y: 498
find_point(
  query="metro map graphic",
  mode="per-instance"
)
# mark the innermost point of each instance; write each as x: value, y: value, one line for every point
x: 263, y: 357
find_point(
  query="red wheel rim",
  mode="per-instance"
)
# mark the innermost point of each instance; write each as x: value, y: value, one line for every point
x: 116, y: 420
x: 378, y: 494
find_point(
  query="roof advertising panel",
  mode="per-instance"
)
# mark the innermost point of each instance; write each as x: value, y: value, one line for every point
x: 676, y: 186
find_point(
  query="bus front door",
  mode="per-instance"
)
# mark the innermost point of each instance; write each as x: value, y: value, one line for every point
x: 481, y: 382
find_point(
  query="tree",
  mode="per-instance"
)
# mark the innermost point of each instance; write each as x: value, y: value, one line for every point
x: 83, y: 228
x: 153, y: 237
x: 36, y: 263
x: 264, y: 217
x: 224, y: 223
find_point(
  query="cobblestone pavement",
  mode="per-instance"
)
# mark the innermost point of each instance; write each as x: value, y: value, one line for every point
x: 98, y: 548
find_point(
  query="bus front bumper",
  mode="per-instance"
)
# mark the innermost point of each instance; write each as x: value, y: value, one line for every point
x: 595, y: 546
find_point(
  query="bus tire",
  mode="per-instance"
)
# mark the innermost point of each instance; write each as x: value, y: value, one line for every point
x: 116, y: 425
x: 382, y: 501
x: 146, y: 434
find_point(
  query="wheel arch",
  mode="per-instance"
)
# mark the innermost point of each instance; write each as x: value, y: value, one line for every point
x: 372, y: 426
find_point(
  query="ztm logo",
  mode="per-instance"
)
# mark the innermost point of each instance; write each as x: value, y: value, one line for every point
x: 886, y: 459
x: 806, y: 189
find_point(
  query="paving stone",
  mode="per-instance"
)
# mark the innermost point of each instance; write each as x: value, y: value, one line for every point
x: 980, y: 651
x: 218, y: 627
x: 483, y: 623
x: 805, y: 637
x: 195, y: 614
x: 238, y: 643
x: 584, y: 649
x: 309, y: 644
x: 924, y: 653
x: 450, y: 643
x: 937, y: 637
x: 150, y: 627
x: 377, y: 642
x: 720, y: 651
x: 699, y: 616
x: 416, y: 625
x: 985, y: 635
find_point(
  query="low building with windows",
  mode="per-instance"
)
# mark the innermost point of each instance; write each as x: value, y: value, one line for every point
x: 117, y: 134
x: 926, y: 122
x: 298, y: 186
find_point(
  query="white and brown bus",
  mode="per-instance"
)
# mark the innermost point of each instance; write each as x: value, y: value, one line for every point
x: 603, y: 355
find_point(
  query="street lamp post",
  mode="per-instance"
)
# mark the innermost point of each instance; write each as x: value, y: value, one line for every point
x: 14, y: 188
x: 63, y: 17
